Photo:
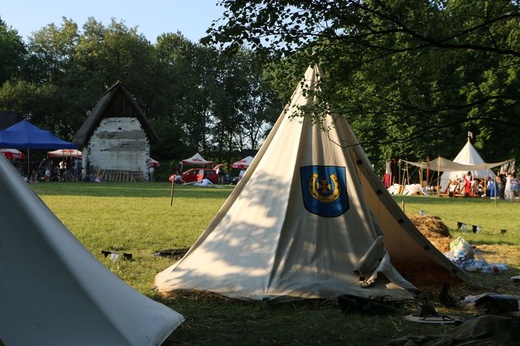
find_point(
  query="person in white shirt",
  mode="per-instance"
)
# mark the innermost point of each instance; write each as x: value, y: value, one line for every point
x: 205, y: 182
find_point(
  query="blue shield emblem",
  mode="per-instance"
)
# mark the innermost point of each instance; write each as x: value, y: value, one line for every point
x: 324, y: 190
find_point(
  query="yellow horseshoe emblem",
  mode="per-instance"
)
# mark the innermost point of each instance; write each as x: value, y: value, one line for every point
x: 317, y: 189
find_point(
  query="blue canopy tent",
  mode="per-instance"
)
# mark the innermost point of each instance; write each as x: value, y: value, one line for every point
x: 24, y: 135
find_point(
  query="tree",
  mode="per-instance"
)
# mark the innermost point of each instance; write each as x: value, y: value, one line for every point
x: 13, y: 51
x: 411, y: 76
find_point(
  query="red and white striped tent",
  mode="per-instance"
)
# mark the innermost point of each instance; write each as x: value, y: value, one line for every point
x: 242, y: 164
x: 65, y: 153
x: 12, y: 154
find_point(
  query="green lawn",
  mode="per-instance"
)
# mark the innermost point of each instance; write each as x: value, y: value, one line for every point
x: 138, y: 219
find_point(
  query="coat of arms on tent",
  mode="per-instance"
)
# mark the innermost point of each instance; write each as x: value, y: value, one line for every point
x: 324, y: 190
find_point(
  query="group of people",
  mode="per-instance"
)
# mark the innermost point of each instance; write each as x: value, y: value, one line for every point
x: 504, y: 186
x: 507, y: 186
x: 48, y: 171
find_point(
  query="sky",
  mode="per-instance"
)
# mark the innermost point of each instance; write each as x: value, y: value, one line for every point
x: 151, y: 17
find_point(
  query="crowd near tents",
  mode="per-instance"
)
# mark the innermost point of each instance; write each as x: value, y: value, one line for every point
x: 467, y: 160
x: 24, y: 135
x: 473, y: 162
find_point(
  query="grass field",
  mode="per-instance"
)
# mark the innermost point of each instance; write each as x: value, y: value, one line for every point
x: 138, y: 219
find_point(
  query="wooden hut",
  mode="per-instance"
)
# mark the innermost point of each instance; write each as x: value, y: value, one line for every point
x: 115, y: 138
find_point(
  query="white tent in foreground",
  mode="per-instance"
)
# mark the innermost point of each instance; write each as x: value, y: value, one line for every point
x: 54, y: 292
x: 309, y: 219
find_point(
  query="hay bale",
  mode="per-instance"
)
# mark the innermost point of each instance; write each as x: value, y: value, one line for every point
x: 434, y: 230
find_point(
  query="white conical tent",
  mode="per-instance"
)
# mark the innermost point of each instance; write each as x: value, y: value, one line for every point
x: 54, y: 292
x: 307, y: 220
x: 469, y: 156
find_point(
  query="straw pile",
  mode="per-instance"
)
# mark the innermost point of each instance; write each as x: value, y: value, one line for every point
x: 434, y: 230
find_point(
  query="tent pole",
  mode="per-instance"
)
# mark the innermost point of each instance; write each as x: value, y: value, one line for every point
x: 28, y: 164
x: 439, y: 174
x: 172, y: 190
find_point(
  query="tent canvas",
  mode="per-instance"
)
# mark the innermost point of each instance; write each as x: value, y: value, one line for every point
x: 198, y: 160
x: 469, y: 156
x: 12, y: 154
x: 309, y: 219
x: 242, y: 164
x: 55, y: 292
x: 65, y: 153
x: 26, y: 135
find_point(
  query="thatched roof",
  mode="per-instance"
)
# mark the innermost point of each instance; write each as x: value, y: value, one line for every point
x: 116, y: 102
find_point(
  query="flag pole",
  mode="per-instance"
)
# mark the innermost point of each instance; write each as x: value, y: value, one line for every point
x: 172, y: 178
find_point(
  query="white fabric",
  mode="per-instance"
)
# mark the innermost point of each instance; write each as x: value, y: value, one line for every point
x: 242, y: 164
x: 469, y: 156
x: 265, y: 243
x: 65, y: 153
x: 54, y: 292
x: 444, y: 165
x: 196, y: 159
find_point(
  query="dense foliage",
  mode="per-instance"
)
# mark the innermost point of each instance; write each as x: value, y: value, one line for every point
x: 412, y: 77
x: 198, y: 99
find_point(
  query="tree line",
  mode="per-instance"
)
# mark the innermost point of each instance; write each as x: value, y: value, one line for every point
x: 411, y: 77
x: 198, y: 99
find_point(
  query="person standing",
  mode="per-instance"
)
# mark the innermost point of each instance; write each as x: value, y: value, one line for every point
x: 150, y: 169
x: 501, y: 184
x: 491, y: 190
x: 468, y: 183
x: 508, y: 189
x: 62, y: 169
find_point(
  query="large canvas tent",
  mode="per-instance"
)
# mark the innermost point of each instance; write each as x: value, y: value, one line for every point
x: 54, y: 292
x: 469, y: 156
x: 309, y: 219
